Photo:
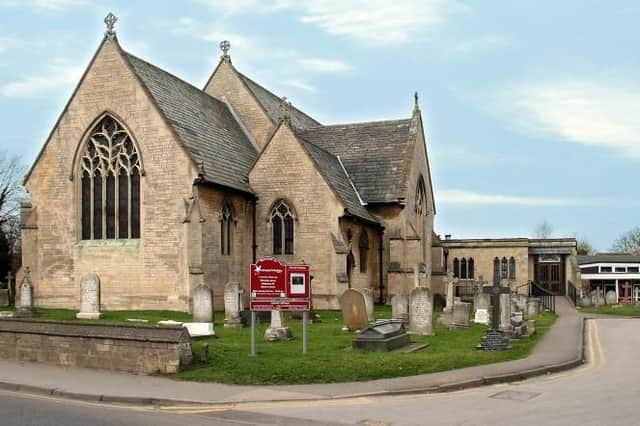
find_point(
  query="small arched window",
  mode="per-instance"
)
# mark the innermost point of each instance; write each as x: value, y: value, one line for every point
x: 505, y: 268
x: 363, y: 247
x: 110, y: 184
x: 282, y: 227
x: 496, y: 270
x: 421, y: 196
x: 471, y: 266
x: 512, y: 268
x: 463, y: 269
x: 456, y: 268
x: 226, y: 217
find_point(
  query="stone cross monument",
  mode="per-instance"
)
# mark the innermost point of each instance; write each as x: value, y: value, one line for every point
x: 25, y: 305
x: 494, y: 339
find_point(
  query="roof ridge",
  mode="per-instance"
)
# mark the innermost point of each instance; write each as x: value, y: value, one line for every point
x: 174, y: 76
x: 275, y: 96
x: 358, y: 123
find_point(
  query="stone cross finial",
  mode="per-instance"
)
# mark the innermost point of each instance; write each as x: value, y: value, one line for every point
x: 416, y: 107
x: 225, y: 46
x: 110, y: 20
x: 285, y: 108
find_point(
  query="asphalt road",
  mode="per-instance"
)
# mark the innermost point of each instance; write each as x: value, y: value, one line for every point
x: 603, y: 392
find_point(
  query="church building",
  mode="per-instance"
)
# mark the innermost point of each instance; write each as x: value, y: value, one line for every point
x: 158, y: 186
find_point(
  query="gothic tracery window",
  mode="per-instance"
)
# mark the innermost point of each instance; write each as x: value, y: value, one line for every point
x: 282, y: 228
x: 363, y: 247
x: 420, y: 203
x: 512, y: 268
x: 226, y: 217
x: 110, y: 184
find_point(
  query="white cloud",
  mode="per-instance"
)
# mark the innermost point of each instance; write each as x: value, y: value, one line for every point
x: 371, y: 21
x: 50, y: 5
x: 458, y: 196
x: 321, y: 65
x: 491, y: 41
x: 586, y: 112
x: 300, y: 84
x: 59, y: 76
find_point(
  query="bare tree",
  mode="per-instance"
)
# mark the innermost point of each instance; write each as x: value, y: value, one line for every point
x: 544, y: 230
x: 584, y: 247
x: 11, y: 191
x: 629, y: 242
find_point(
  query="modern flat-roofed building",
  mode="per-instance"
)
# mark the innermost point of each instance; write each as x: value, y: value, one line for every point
x: 612, y: 271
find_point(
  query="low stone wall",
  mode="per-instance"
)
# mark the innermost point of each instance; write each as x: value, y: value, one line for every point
x: 134, y: 349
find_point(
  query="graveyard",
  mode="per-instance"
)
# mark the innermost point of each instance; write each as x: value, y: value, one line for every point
x: 330, y: 357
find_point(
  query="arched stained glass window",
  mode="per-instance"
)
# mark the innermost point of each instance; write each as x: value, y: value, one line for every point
x: 463, y: 269
x: 504, y: 268
x: 471, y: 266
x: 496, y: 270
x: 110, y: 184
x: 421, y: 196
x: 456, y: 267
x: 363, y: 247
x: 282, y: 227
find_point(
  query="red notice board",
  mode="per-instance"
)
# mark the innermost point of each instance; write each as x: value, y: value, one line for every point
x: 279, y: 287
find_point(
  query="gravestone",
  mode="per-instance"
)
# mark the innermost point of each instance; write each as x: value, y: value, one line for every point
x: 533, y: 307
x: 354, y: 310
x: 4, y: 297
x: 25, y: 304
x: 597, y: 298
x: 585, y: 301
x: 517, y: 324
x: 531, y: 327
x: 382, y: 336
x: 89, y: 297
x: 277, y: 330
x: 450, y: 284
x: 482, y: 316
x: 233, y: 305
x: 505, y: 313
x: 368, y: 303
x: 202, y: 325
x: 400, y: 307
x: 494, y: 339
x: 482, y: 299
x: 461, y: 314
x: 521, y: 302
x: 421, y: 311
x: 611, y: 298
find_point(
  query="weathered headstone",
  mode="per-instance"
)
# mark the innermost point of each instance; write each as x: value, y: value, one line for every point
x: 597, y: 297
x: 533, y: 307
x: 585, y: 301
x: 368, y: 303
x: 233, y: 305
x: 382, y: 336
x: 25, y: 304
x: 517, y: 320
x: 421, y: 311
x: 202, y: 324
x: 482, y: 316
x: 521, y: 302
x: 277, y: 330
x: 531, y: 327
x: 505, y: 313
x: 611, y: 298
x: 354, y: 311
x: 461, y: 314
x: 400, y: 307
x: 482, y: 299
x: 4, y: 297
x: 89, y: 297
x: 494, y: 339
x: 450, y: 284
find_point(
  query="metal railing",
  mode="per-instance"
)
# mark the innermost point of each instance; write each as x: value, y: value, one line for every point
x: 547, y: 298
x: 572, y: 292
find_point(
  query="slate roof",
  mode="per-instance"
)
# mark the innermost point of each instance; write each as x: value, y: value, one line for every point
x: 271, y: 104
x: 330, y: 167
x: 204, y: 124
x: 609, y: 258
x: 373, y: 153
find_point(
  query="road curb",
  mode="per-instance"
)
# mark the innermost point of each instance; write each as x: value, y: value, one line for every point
x: 441, y: 388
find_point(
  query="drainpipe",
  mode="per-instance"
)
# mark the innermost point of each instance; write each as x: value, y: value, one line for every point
x: 380, y: 271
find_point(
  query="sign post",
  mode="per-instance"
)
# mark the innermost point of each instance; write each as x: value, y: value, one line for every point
x: 253, y: 333
x: 279, y: 287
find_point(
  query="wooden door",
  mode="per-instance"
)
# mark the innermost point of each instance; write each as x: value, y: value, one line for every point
x: 550, y: 277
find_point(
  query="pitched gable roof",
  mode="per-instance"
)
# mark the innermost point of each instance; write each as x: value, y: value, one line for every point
x: 204, y: 124
x: 271, y: 104
x: 337, y: 178
x: 373, y: 153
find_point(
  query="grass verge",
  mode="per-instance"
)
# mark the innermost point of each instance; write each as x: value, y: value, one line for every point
x: 621, y: 310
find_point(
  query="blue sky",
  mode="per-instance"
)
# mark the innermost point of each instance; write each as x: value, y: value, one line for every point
x: 532, y: 108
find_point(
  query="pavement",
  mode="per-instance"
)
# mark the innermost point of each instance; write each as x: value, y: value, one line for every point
x: 560, y: 349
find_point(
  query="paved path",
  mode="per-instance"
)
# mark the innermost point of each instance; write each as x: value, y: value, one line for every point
x: 561, y: 345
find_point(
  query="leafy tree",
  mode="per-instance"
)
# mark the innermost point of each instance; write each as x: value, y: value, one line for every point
x: 629, y: 242
x: 585, y: 247
x: 544, y: 230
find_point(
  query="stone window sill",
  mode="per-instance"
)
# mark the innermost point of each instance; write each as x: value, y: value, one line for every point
x: 129, y: 243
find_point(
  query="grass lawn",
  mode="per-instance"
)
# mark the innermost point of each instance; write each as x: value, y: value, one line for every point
x: 330, y: 358
x: 622, y: 310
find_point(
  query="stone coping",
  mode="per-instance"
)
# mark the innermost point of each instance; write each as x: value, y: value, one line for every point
x: 141, y: 333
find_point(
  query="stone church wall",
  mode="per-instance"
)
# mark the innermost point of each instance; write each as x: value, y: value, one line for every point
x: 370, y: 278
x: 285, y: 171
x: 148, y: 273
x: 483, y: 257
